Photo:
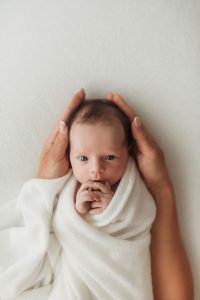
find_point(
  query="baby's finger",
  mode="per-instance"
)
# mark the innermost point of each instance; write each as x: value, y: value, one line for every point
x: 103, y: 188
x: 87, y: 186
x: 96, y: 204
x: 83, y: 199
x: 92, y: 195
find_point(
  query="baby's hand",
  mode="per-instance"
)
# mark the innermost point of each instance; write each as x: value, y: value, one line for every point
x: 85, y: 195
x: 93, y: 197
x: 105, y: 195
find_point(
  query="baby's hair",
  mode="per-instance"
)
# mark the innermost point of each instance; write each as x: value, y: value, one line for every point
x: 91, y: 111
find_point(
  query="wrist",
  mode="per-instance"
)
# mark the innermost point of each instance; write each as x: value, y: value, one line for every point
x: 164, y: 195
x: 162, y: 188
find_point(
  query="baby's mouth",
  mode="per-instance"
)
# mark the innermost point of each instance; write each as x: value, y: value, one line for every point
x: 101, y: 181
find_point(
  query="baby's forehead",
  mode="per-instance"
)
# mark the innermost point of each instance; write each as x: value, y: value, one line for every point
x: 107, y: 124
x: 98, y: 133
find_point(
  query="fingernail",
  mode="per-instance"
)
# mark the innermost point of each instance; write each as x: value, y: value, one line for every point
x: 137, y: 122
x: 62, y: 127
x: 110, y: 96
x: 81, y: 90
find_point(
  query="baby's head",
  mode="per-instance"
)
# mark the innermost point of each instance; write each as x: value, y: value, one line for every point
x: 100, y: 141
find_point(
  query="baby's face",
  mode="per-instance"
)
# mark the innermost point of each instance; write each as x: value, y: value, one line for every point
x: 98, y: 152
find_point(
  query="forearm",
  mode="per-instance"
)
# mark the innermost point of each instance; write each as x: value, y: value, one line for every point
x: 171, y: 273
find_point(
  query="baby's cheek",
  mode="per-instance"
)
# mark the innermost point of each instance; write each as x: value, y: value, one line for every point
x: 80, y: 177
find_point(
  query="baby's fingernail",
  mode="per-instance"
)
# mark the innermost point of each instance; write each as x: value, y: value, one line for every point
x: 137, y: 122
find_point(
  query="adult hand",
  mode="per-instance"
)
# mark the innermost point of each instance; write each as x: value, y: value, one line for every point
x: 53, y: 160
x: 150, y: 157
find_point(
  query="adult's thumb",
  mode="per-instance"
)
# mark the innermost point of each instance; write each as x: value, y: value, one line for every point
x: 61, y: 141
x: 141, y: 135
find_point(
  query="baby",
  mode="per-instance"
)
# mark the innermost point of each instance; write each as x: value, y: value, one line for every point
x: 100, y: 144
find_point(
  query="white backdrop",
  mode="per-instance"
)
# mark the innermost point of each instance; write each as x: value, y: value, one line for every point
x: 148, y: 51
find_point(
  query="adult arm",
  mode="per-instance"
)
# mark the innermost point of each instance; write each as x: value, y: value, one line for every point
x: 171, y: 272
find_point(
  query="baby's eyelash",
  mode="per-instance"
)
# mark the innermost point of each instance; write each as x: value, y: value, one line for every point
x: 111, y: 156
x: 82, y: 156
x: 107, y: 157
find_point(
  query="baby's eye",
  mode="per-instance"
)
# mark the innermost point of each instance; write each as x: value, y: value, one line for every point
x: 110, y: 157
x: 82, y: 158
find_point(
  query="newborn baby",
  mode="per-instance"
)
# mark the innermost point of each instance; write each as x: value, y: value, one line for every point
x: 100, y: 143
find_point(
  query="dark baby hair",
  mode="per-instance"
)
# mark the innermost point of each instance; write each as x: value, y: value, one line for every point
x: 91, y: 111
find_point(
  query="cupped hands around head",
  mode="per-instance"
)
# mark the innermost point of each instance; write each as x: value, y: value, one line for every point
x: 150, y: 157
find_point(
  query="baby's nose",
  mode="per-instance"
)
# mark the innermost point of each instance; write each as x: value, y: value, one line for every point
x: 96, y: 167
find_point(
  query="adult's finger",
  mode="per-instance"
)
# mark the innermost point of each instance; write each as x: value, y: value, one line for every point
x: 74, y: 102
x: 144, y: 139
x: 60, y: 144
x: 121, y: 103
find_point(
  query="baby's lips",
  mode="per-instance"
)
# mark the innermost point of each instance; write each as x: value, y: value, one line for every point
x: 101, y: 181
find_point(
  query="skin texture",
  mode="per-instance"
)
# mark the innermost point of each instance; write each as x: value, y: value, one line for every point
x: 97, y: 153
x: 171, y: 272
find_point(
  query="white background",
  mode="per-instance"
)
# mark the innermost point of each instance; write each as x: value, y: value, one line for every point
x: 148, y: 51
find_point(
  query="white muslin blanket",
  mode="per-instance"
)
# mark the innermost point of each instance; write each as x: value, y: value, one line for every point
x: 49, y: 252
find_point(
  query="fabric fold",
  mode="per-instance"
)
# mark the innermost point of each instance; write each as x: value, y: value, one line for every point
x: 107, y: 255
x: 26, y: 260
x: 50, y: 252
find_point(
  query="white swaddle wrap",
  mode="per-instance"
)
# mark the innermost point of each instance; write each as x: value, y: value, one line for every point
x: 104, y: 256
